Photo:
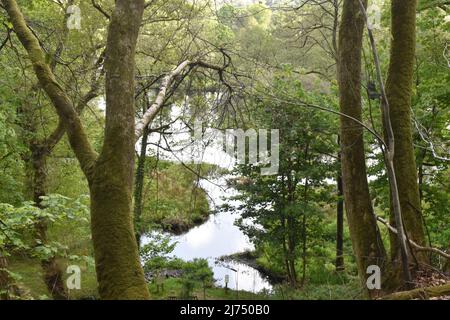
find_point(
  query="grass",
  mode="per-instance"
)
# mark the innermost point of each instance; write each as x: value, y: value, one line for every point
x: 173, y: 287
x: 31, y: 279
x: 32, y: 282
x: 173, y: 200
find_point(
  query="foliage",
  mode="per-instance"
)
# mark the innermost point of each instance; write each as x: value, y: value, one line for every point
x: 17, y: 225
x: 173, y: 199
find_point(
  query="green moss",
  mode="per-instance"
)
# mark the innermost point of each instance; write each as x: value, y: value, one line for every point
x: 173, y: 199
x: 32, y: 283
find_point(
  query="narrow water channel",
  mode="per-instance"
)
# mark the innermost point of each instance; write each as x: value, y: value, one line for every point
x: 218, y: 237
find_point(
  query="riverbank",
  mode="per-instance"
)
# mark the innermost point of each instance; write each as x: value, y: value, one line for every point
x: 183, y: 222
x: 249, y: 258
x: 173, y: 200
x: 172, y: 288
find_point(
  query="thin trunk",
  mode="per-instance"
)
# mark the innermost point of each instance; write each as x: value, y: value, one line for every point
x: 421, y: 175
x: 291, y: 253
x: 447, y: 264
x: 304, y: 247
x: 291, y: 232
x: 399, y: 92
x: 389, y: 151
x: 286, y: 261
x: 8, y: 288
x: 340, y: 266
x: 53, y: 273
x: 139, y: 186
x: 304, y: 226
x: 119, y: 271
x: 367, y: 244
x: 285, y: 251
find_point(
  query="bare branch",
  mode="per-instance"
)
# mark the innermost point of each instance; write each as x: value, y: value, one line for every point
x: 166, y: 83
x: 100, y: 9
x: 415, y: 245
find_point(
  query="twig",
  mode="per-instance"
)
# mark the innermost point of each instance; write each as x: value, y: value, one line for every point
x: 415, y: 245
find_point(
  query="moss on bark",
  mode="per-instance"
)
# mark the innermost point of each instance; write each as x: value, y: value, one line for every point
x: 367, y: 244
x: 399, y: 92
x: 110, y: 175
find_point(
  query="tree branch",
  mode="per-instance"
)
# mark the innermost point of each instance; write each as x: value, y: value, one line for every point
x: 166, y: 83
x: 415, y: 245
x: 60, y: 130
x: 100, y: 9
x: 64, y: 107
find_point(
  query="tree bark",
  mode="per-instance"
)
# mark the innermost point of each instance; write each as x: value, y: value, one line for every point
x: 399, y: 92
x: 367, y: 244
x: 53, y: 273
x: 119, y: 271
x: 110, y: 175
x: 139, y: 186
x: 7, y: 284
x: 340, y: 222
x: 447, y: 264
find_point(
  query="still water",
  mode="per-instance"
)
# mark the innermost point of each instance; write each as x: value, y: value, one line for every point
x: 220, y: 237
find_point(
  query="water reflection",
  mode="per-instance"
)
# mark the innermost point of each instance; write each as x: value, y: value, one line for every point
x: 220, y: 237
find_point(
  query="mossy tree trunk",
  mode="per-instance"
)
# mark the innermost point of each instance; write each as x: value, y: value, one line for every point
x: 420, y: 293
x: 118, y: 267
x: 7, y: 284
x: 399, y: 92
x: 447, y: 264
x: 110, y: 174
x: 35, y: 159
x: 53, y: 273
x: 367, y: 244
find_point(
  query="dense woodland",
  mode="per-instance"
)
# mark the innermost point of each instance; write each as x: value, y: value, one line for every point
x: 90, y: 92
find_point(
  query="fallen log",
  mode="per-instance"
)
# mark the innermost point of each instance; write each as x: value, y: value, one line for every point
x: 420, y: 293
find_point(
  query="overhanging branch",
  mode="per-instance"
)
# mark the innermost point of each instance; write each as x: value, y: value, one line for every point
x: 166, y: 83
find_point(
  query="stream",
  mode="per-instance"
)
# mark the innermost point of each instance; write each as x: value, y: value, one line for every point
x: 219, y: 237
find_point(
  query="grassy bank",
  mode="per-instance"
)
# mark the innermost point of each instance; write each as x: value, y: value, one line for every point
x: 173, y: 198
x: 173, y: 288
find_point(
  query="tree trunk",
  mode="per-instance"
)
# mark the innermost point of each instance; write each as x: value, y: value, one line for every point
x: 119, y: 271
x: 304, y: 248
x: 447, y: 264
x: 399, y: 92
x: 6, y: 282
x: 286, y: 253
x: 340, y: 223
x: 291, y: 250
x: 367, y: 244
x: 139, y: 186
x: 53, y: 273
x: 110, y: 174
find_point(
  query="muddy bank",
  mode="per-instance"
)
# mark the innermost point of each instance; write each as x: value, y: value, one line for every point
x: 249, y: 258
x: 179, y: 227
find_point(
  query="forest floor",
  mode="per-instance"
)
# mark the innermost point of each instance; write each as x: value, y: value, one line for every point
x: 32, y: 285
